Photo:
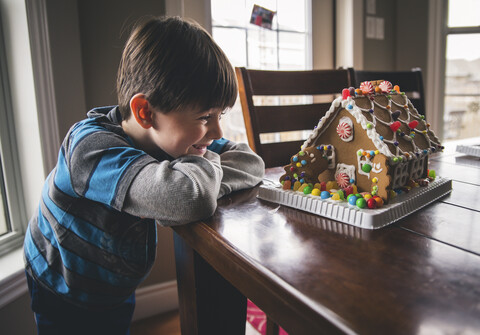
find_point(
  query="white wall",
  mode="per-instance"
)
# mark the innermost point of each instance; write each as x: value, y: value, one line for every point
x: 16, y: 317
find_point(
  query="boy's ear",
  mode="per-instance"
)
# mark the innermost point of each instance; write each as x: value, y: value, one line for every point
x: 141, y: 110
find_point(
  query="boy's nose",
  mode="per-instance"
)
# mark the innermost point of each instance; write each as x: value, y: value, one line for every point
x: 215, y: 132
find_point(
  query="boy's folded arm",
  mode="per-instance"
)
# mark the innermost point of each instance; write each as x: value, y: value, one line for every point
x: 242, y: 168
x: 177, y: 192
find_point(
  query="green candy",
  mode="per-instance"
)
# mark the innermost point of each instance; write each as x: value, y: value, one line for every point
x: 366, y: 168
x: 361, y: 203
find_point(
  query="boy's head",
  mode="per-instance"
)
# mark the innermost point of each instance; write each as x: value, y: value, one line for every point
x: 175, y: 64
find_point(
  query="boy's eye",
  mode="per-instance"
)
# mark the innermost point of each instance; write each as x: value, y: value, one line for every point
x: 208, y: 116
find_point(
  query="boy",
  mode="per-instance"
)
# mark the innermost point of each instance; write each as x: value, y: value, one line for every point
x: 157, y: 156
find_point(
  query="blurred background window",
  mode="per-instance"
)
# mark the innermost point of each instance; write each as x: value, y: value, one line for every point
x: 462, y: 72
x: 286, y: 46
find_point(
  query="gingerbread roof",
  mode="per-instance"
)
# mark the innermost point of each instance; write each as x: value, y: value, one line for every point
x: 388, y: 117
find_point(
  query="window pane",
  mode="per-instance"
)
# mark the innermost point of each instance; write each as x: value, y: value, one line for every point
x: 291, y: 15
x: 232, y: 42
x: 230, y: 13
x: 292, y: 51
x: 463, y: 13
x: 262, y: 49
x: 462, y: 86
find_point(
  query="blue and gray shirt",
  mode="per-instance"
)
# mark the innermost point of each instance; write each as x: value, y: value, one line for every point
x: 93, y: 238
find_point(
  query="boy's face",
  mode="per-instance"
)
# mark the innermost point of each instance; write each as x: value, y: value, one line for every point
x: 186, y: 132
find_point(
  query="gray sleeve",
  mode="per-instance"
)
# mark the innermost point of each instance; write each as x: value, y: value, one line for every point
x: 177, y: 192
x: 242, y: 168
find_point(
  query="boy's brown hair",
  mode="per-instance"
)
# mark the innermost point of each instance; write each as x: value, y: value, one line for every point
x: 176, y: 64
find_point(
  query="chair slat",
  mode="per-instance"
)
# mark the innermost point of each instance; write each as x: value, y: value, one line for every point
x: 279, y: 154
x: 298, y: 82
x: 270, y: 119
x: 288, y: 118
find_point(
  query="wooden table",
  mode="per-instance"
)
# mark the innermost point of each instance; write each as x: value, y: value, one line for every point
x: 313, y: 275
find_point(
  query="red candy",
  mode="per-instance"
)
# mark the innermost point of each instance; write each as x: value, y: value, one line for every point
x: 395, y: 125
x: 323, y: 186
x: 371, y: 203
x: 345, y: 93
x: 413, y: 124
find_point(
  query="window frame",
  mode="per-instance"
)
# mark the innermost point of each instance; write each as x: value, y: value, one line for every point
x: 437, y: 47
x: 11, y: 186
x: 277, y: 31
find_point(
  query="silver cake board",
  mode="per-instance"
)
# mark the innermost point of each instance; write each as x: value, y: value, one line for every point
x: 402, y: 205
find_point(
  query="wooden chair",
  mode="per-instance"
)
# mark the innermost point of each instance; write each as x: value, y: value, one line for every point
x: 281, y: 118
x: 410, y: 82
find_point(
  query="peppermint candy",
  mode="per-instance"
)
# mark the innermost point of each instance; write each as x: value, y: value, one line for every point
x: 342, y: 180
x: 385, y: 86
x: 344, y: 130
x: 367, y: 87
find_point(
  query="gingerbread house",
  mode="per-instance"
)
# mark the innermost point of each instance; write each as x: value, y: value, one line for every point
x: 371, y: 137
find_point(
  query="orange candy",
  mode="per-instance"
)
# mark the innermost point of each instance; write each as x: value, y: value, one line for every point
x: 378, y: 200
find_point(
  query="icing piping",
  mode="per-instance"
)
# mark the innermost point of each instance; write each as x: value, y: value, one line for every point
x: 369, y: 126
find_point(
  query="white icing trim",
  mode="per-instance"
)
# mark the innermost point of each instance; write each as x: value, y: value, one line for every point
x: 349, y: 170
x: 362, y: 160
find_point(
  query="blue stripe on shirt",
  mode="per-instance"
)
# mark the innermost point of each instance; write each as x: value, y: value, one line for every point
x: 109, y: 171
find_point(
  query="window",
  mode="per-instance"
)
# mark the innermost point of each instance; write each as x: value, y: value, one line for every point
x: 12, y: 212
x: 462, y: 70
x: 287, y: 46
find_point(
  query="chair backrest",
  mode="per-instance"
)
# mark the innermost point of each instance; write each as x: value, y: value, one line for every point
x: 410, y: 82
x: 263, y: 119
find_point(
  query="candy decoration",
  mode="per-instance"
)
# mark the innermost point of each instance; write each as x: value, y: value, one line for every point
x: 396, y: 88
x: 395, y: 115
x: 379, y: 201
x: 371, y: 203
x: 344, y: 131
x: 385, y: 86
x: 345, y: 93
x: 307, y: 189
x: 413, y: 124
x: 361, y: 203
x: 352, y: 91
x: 395, y: 125
x: 325, y: 195
x: 336, y: 196
x: 348, y: 190
x: 352, y: 200
x: 366, y: 168
x: 367, y: 87
x: 342, y: 180
x: 287, y: 185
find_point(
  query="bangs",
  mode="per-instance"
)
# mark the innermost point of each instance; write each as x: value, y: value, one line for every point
x: 215, y: 83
